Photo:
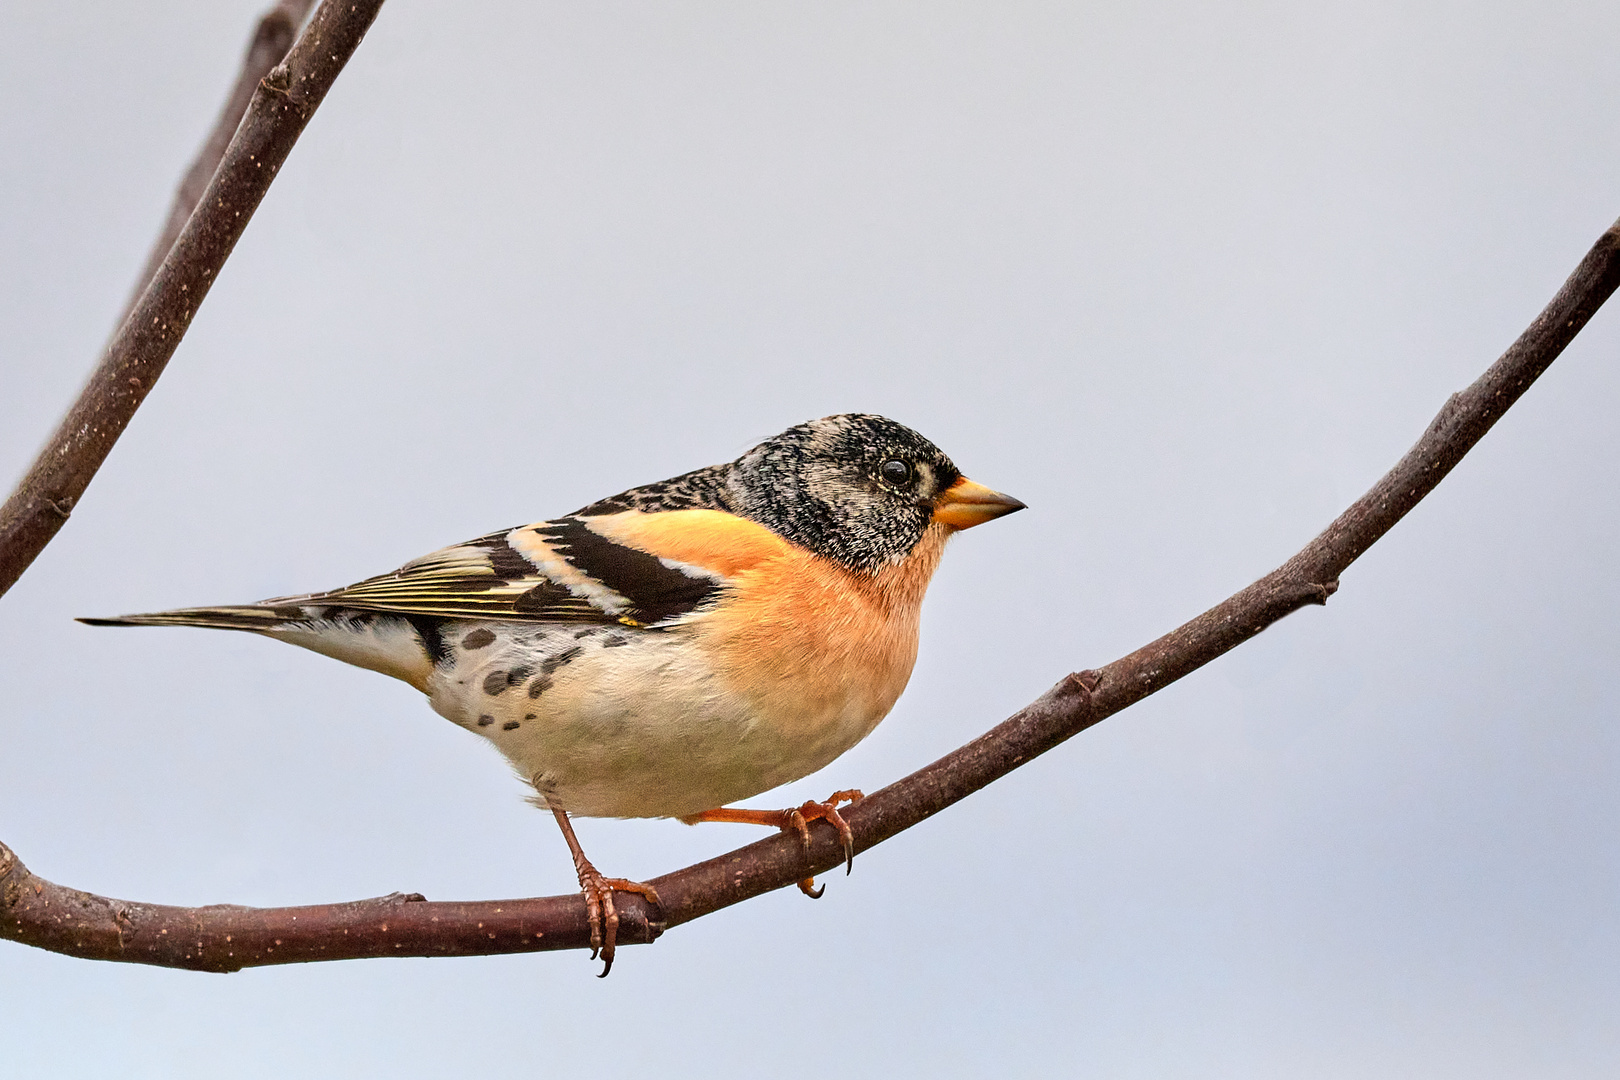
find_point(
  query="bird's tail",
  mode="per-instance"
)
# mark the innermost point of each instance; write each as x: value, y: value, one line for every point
x: 257, y: 618
x: 401, y: 646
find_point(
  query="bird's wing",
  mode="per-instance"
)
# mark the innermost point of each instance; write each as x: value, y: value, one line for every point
x: 631, y: 568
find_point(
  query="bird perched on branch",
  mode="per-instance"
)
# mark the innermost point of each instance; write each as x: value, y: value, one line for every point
x: 674, y: 648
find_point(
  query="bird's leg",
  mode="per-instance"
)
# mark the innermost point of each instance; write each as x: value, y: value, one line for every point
x: 798, y: 821
x: 599, y: 910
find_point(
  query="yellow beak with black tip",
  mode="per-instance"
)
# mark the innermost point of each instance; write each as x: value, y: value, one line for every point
x: 965, y: 504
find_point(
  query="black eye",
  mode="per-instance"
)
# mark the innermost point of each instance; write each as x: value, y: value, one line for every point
x: 896, y: 472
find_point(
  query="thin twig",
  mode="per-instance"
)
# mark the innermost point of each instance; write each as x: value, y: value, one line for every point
x: 283, y: 103
x: 272, y: 37
x: 49, y: 916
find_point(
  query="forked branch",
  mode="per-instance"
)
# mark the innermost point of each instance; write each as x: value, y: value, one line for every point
x: 283, y: 103
x: 271, y: 39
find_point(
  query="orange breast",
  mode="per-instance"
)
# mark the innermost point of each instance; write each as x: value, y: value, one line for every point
x: 817, y: 646
x: 811, y: 644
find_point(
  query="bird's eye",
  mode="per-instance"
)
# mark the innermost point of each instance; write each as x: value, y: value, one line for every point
x: 896, y: 472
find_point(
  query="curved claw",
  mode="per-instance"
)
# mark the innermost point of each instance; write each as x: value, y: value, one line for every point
x: 593, y: 913
x: 604, y: 921
x: 799, y: 824
x: 829, y: 813
x: 798, y: 820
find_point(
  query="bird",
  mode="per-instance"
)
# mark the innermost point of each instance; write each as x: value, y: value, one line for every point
x: 675, y: 648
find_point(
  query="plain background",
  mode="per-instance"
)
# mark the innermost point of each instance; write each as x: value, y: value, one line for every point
x: 1185, y: 277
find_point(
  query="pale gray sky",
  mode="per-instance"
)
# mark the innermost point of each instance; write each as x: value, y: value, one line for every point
x: 1185, y: 277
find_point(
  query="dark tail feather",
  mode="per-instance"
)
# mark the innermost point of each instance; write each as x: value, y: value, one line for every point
x: 248, y: 617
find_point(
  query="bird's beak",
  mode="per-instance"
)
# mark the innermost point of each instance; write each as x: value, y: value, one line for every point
x: 965, y: 504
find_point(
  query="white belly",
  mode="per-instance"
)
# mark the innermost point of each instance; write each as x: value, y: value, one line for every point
x: 623, y: 723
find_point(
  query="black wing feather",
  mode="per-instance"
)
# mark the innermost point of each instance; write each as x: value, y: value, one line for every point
x: 488, y: 578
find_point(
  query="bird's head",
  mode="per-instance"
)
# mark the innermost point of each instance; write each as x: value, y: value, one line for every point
x: 858, y: 488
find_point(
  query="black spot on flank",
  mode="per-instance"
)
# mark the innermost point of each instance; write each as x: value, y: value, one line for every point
x: 655, y: 591
x: 587, y: 632
x: 545, y: 595
x: 518, y: 674
x: 557, y: 660
x: 427, y: 631
x: 485, y: 720
x: 539, y: 686
x: 510, y: 725
x: 478, y: 639
x: 528, y: 716
x: 615, y: 641
x: 495, y: 683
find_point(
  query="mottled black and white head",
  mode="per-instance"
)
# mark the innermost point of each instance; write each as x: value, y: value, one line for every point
x: 858, y: 488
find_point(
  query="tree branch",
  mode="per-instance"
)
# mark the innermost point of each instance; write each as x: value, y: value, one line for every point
x: 272, y: 37
x: 224, y: 938
x: 281, y: 105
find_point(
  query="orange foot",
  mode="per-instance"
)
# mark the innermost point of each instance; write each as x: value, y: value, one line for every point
x: 599, y: 890
x: 599, y: 909
x: 797, y: 821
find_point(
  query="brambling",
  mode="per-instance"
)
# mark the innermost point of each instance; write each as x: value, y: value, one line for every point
x: 674, y: 648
